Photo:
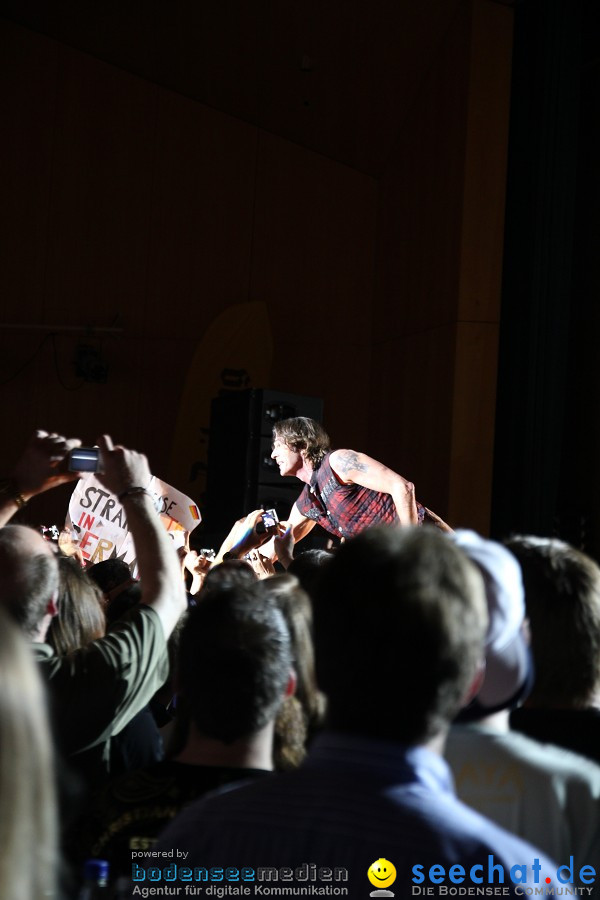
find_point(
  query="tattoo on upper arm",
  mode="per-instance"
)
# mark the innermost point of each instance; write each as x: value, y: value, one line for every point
x: 348, y: 460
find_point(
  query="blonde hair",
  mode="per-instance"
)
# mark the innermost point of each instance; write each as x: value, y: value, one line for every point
x: 28, y: 818
x: 81, y: 617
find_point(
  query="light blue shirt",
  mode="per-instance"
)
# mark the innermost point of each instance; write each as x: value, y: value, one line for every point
x: 354, y: 801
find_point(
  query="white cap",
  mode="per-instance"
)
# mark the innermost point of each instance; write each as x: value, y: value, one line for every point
x: 507, y: 654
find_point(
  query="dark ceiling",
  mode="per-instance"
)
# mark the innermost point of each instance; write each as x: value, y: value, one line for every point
x: 336, y: 76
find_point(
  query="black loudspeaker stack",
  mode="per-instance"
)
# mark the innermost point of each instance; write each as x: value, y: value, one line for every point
x: 241, y: 474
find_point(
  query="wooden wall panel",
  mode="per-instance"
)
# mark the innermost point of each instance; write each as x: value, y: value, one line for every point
x: 421, y: 198
x: 418, y: 276
x: 313, y: 266
x: 202, y: 209
x: 481, y: 254
x: 439, y: 264
x: 100, y: 192
x: 486, y: 149
x: 160, y: 214
x: 473, y: 409
x: 411, y: 388
x: 28, y: 108
x: 337, y: 77
x: 135, y: 206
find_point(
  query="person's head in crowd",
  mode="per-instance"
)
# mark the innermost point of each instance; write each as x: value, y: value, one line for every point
x: 508, y: 674
x: 121, y: 591
x: 400, y: 623
x: 80, y: 618
x: 28, y: 579
x: 562, y: 595
x: 292, y: 732
x: 28, y: 819
x: 234, y: 665
x: 229, y: 573
x: 296, y: 607
x: 110, y: 575
x: 306, y: 567
x: 303, y: 435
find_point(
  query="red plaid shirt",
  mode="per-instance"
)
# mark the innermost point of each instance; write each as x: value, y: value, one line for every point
x: 345, y: 509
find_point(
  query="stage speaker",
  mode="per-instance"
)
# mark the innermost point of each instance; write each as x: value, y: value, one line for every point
x: 241, y: 474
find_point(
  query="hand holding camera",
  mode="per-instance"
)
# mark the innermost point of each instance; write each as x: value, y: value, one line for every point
x: 42, y: 464
x: 85, y: 459
x: 123, y: 469
x: 268, y: 520
x: 249, y: 533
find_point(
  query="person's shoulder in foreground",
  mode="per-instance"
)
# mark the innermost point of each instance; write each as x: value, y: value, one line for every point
x: 354, y: 801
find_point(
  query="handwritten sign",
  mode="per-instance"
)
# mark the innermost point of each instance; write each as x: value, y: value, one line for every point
x: 98, y: 523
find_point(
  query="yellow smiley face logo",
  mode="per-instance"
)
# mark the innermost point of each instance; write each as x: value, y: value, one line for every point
x: 382, y: 873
